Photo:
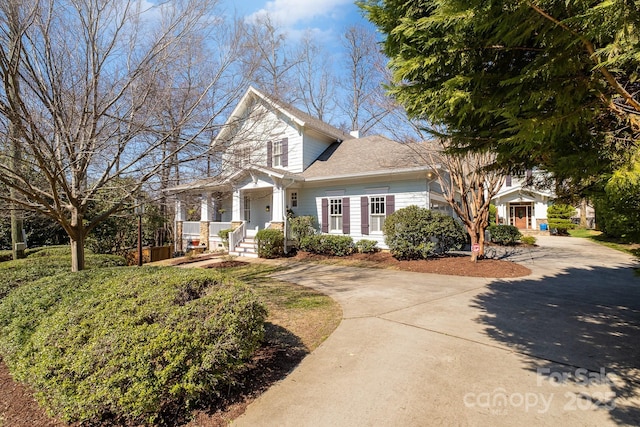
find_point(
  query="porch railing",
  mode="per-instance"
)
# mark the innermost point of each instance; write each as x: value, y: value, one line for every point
x: 191, y: 228
x: 215, y: 227
x: 236, y: 236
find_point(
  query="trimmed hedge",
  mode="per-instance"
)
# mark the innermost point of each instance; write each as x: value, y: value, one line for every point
x: 127, y: 345
x: 328, y: 244
x: 559, y: 217
x: 270, y: 243
x: 418, y: 233
x: 504, y: 234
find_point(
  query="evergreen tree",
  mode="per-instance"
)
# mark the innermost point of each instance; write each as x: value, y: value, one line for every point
x: 548, y: 83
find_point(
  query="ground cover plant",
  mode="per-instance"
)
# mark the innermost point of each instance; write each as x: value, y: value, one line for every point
x: 129, y: 345
x: 48, y: 261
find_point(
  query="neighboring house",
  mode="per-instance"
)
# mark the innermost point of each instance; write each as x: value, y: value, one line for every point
x: 281, y: 161
x: 520, y: 204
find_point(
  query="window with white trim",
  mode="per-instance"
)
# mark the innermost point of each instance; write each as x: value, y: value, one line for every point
x: 335, y: 215
x: 294, y: 199
x: 277, y: 154
x: 377, y: 213
x: 247, y: 208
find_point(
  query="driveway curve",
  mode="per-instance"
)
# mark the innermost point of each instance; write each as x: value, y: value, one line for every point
x: 559, y: 347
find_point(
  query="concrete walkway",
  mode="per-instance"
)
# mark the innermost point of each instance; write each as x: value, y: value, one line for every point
x: 420, y: 349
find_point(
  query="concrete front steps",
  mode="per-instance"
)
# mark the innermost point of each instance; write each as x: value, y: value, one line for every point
x: 248, y: 249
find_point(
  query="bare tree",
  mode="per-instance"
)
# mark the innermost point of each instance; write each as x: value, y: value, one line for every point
x: 469, y: 182
x: 269, y: 59
x: 315, y: 79
x: 88, y: 75
x: 365, y: 103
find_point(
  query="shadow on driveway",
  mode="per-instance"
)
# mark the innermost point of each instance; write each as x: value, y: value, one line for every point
x: 581, y: 319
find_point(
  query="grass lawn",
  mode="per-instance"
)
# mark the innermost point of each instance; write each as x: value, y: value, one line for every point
x: 632, y: 248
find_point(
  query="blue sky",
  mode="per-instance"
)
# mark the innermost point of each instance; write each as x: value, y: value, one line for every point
x: 326, y: 18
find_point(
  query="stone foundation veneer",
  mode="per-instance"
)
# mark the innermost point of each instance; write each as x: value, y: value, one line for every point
x: 235, y: 224
x: 204, y: 233
x: 179, y: 243
x: 277, y: 225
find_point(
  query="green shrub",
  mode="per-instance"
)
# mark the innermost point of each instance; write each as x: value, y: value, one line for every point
x: 127, y: 345
x: 418, y: 233
x: 270, y: 243
x: 224, y: 236
x: 302, y: 226
x: 366, y: 246
x: 504, y: 234
x: 559, y: 217
x: 528, y: 240
x: 328, y: 244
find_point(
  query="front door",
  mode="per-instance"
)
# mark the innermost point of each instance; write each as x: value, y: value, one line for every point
x: 520, y: 215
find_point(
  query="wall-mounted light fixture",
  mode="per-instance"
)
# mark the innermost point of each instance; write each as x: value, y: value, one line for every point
x: 268, y: 209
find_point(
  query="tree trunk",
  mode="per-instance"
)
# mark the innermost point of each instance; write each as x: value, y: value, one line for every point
x: 474, y: 241
x: 77, y: 241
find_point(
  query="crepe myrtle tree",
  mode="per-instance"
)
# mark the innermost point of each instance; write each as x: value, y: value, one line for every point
x: 469, y: 182
x: 80, y: 89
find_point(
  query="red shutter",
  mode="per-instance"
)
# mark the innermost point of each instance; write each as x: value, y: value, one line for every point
x: 391, y: 205
x: 508, y: 181
x: 285, y: 152
x: 364, y: 215
x: 325, y: 216
x: 346, y: 216
x: 269, y: 154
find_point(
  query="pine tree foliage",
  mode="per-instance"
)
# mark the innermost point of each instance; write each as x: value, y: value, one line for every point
x: 543, y: 82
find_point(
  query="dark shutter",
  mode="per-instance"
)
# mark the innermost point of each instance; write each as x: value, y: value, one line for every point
x: 346, y: 216
x: 325, y: 216
x: 285, y: 152
x: 269, y: 154
x: 364, y: 215
x: 391, y: 205
x: 508, y: 181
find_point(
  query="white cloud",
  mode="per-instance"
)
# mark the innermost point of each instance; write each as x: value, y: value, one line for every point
x: 288, y: 13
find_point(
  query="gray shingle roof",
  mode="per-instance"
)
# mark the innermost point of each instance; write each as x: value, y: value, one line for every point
x: 358, y: 156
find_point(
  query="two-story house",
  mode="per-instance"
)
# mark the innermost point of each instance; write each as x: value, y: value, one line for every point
x: 280, y: 161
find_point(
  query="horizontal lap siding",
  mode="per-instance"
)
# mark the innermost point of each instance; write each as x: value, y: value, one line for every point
x: 405, y: 194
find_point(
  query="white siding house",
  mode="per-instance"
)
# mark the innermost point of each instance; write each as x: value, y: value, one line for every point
x: 520, y: 204
x: 279, y: 159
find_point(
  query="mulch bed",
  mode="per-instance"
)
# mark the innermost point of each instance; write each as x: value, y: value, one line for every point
x: 454, y: 265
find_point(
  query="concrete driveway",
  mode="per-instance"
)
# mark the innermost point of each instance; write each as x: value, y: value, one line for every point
x: 559, y: 347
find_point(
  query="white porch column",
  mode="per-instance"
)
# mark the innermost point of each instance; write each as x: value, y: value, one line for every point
x: 206, y: 208
x: 279, y: 199
x: 181, y: 212
x: 180, y: 215
x: 236, y: 206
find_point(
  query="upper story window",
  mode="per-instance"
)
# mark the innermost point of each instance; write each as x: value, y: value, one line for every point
x: 277, y: 154
x: 241, y: 156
